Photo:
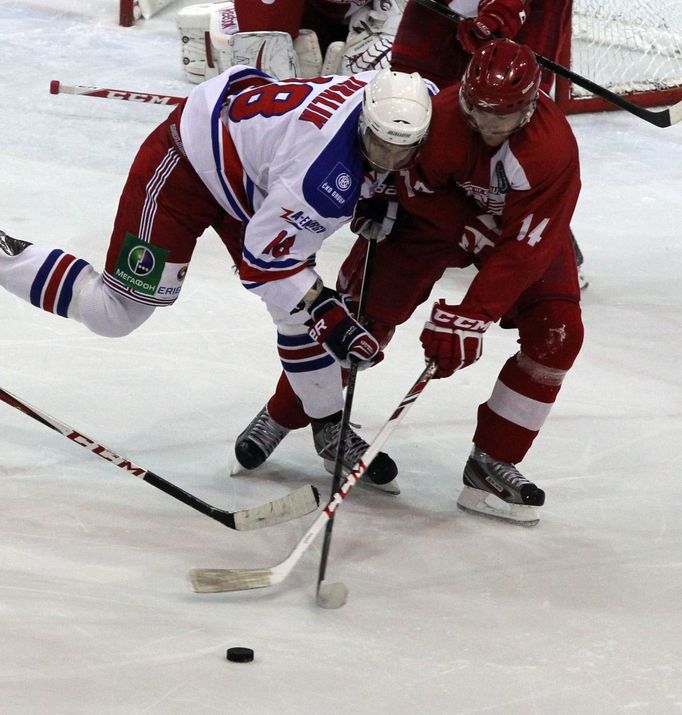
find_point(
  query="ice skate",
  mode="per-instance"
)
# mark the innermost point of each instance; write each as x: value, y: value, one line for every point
x: 499, y: 490
x: 11, y: 246
x: 381, y: 473
x: 258, y: 441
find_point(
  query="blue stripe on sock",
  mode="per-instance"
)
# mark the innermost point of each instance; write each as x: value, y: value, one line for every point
x: 308, y: 365
x: 294, y: 341
x: 66, y: 293
x: 42, y: 276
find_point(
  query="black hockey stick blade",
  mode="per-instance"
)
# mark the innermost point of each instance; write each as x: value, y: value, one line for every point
x: 661, y: 118
x: 290, y: 506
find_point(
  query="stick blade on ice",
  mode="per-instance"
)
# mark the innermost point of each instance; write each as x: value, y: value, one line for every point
x: 225, y: 580
x: 291, y: 506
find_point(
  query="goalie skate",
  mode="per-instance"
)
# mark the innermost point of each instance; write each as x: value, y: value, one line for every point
x: 498, y: 490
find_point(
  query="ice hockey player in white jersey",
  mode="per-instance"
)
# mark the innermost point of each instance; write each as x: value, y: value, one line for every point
x: 275, y: 168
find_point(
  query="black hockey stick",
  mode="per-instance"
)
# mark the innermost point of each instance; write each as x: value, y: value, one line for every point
x: 221, y: 580
x: 293, y: 505
x: 334, y: 595
x: 661, y: 118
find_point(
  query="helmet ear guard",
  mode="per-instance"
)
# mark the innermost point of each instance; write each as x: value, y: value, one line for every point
x: 502, y: 78
x: 395, y: 117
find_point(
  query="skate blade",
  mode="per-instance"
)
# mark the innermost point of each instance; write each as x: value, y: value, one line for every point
x: 482, y: 503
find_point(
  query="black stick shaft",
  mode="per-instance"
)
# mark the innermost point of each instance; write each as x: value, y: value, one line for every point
x: 345, y: 418
x: 224, y: 517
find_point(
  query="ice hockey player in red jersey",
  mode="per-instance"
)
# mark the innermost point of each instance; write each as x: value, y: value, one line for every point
x: 495, y: 186
x: 440, y: 49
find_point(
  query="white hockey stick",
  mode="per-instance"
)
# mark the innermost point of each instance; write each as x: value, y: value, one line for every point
x: 291, y: 506
x: 57, y: 87
x: 221, y: 580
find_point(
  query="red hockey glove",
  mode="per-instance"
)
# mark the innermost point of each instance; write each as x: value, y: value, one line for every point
x: 453, y: 338
x: 339, y: 333
x: 374, y: 218
x: 496, y: 18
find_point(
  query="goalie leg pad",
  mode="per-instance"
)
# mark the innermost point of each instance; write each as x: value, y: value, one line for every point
x: 332, y: 58
x: 307, y: 48
x: 212, y: 43
x: 196, y: 25
x: 272, y: 52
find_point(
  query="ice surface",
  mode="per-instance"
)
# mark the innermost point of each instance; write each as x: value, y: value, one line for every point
x: 447, y: 613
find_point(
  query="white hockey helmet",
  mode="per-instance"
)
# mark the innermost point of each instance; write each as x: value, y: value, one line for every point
x: 394, y: 121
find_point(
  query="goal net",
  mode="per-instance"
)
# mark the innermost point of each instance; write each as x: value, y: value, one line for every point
x: 631, y: 47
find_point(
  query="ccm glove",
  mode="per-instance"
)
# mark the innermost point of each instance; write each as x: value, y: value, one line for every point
x: 333, y: 327
x: 452, y: 338
x: 496, y: 18
x: 374, y: 218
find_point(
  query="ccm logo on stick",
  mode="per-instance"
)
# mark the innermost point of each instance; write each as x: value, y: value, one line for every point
x: 105, y: 454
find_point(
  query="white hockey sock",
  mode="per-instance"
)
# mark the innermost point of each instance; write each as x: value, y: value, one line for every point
x: 313, y: 374
x: 60, y: 283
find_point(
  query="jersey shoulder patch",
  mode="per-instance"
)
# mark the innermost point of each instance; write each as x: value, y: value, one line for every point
x: 332, y: 183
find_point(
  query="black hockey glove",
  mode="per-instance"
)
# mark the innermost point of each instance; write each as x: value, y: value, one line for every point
x: 374, y: 218
x: 339, y: 333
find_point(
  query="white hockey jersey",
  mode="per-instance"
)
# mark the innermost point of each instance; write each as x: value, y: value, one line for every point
x: 282, y: 157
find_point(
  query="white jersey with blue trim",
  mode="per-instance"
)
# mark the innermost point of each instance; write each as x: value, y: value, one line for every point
x: 284, y: 158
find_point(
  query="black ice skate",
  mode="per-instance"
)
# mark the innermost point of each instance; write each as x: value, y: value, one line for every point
x: 381, y: 473
x: 11, y: 246
x: 498, y: 489
x: 258, y: 441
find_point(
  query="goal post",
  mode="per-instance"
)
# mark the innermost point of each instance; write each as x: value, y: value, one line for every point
x: 126, y: 13
x: 631, y: 47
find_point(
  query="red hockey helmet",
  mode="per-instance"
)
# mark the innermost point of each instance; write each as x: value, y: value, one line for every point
x: 502, y: 78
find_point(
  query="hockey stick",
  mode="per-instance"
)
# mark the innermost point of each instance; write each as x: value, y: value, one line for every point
x: 661, y: 118
x: 335, y: 595
x: 293, y: 505
x: 56, y: 87
x: 221, y: 580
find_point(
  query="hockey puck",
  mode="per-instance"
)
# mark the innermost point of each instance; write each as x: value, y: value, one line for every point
x: 239, y: 655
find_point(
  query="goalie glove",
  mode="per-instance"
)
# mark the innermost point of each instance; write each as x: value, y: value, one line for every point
x: 372, y: 30
x: 496, y: 18
x: 339, y: 333
x: 452, y: 338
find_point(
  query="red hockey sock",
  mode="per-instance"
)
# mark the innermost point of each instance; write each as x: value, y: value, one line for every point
x: 285, y: 408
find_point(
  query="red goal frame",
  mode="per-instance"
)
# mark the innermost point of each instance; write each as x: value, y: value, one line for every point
x: 579, y: 105
x: 126, y: 15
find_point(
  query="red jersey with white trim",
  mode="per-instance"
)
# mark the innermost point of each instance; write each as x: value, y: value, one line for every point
x: 283, y: 158
x: 527, y: 187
